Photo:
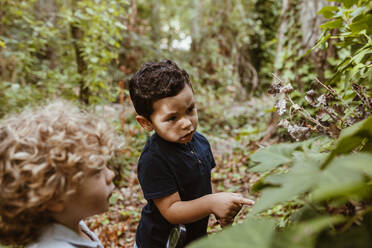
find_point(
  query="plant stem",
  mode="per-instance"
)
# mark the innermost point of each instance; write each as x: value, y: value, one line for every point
x: 333, y: 92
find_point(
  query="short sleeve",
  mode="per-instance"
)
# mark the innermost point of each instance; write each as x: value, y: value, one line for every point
x: 212, y: 162
x: 155, y: 176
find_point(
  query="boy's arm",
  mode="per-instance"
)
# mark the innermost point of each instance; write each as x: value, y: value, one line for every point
x: 223, y: 205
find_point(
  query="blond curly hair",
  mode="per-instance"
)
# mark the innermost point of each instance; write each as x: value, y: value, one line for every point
x: 44, y: 154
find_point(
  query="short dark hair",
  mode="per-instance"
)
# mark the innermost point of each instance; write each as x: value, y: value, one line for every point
x: 154, y: 81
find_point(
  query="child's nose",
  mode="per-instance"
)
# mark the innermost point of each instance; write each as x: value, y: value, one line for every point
x: 109, y: 175
x: 186, y: 123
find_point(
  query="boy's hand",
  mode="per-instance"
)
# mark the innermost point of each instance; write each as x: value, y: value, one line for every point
x: 227, y: 205
x: 225, y: 222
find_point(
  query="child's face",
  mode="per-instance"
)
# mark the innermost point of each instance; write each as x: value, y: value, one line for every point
x: 175, y: 118
x: 93, y: 194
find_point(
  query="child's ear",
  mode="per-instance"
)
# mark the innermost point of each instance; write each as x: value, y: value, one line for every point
x: 55, y: 207
x: 144, y: 122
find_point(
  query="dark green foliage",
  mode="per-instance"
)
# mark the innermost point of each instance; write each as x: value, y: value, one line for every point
x: 321, y: 188
x: 334, y: 201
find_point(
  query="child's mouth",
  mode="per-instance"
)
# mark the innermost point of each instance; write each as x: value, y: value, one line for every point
x: 110, y: 194
x: 188, y: 136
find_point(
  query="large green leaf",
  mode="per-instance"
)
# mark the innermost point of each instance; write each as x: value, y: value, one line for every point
x: 361, y: 162
x: 351, y: 138
x: 356, y: 237
x: 273, y: 156
x: 302, y: 176
x: 362, y: 127
x: 344, y: 177
x: 304, y: 235
x: 253, y: 233
x: 290, y: 185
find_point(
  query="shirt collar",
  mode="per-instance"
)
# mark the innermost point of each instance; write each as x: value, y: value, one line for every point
x: 173, y: 144
x: 62, y: 233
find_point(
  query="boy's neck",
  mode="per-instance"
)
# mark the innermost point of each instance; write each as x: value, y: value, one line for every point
x: 184, y: 145
x: 71, y: 223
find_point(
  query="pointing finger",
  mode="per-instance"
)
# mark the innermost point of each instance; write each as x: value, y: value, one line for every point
x: 245, y: 201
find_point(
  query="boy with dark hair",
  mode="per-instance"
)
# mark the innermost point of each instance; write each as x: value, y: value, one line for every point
x: 174, y: 169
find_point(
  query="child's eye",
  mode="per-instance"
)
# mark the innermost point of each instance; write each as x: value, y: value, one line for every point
x: 190, y: 109
x: 172, y: 118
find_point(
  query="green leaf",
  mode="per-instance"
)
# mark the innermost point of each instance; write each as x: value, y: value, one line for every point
x: 320, y: 42
x: 2, y: 44
x: 93, y: 59
x: 339, y: 180
x: 290, y: 185
x: 360, y: 55
x: 252, y: 233
x: 350, y: 138
x: 337, y: 23
x: 273, y: 156
x: 327, y: 11
x: 362, y: 24
x: 356, y: 237
x: 361, y: 162
x: 305, y: 234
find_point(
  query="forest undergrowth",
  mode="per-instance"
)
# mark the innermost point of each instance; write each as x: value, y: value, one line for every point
x: 283, y: 91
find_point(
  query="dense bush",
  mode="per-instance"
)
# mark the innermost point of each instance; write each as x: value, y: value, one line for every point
x: 317, y: 193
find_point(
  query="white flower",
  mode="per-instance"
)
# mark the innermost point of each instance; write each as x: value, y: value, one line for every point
x: 281, y: 106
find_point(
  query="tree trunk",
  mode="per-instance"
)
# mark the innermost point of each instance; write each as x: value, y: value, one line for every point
x: 298, y: 32
x: 82, y: 66
x: 310, y: 22
x: 46, y: 11
x: 196, y: 33
x: 133, y: 16
x: 155, y: 22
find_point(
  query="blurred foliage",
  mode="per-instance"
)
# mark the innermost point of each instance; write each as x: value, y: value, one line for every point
x: 38, y: 59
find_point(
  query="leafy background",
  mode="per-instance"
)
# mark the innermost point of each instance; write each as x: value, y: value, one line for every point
x: 283, y: 91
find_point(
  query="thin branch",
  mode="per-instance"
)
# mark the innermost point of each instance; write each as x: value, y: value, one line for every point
x: 277, y: 78
x: 334, y: 93
x: 306, y: 114
x: 355, y: 217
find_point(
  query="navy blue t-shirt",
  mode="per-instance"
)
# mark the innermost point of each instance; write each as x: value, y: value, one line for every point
x: 165, y: 168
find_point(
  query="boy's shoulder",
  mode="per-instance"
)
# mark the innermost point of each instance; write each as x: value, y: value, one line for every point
x: 51, y: 243
x: 59, y: 236
x: 200, y: 137
x: 154, y: 148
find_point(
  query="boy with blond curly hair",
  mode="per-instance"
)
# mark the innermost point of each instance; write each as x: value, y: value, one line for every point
x: 53, y: 174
